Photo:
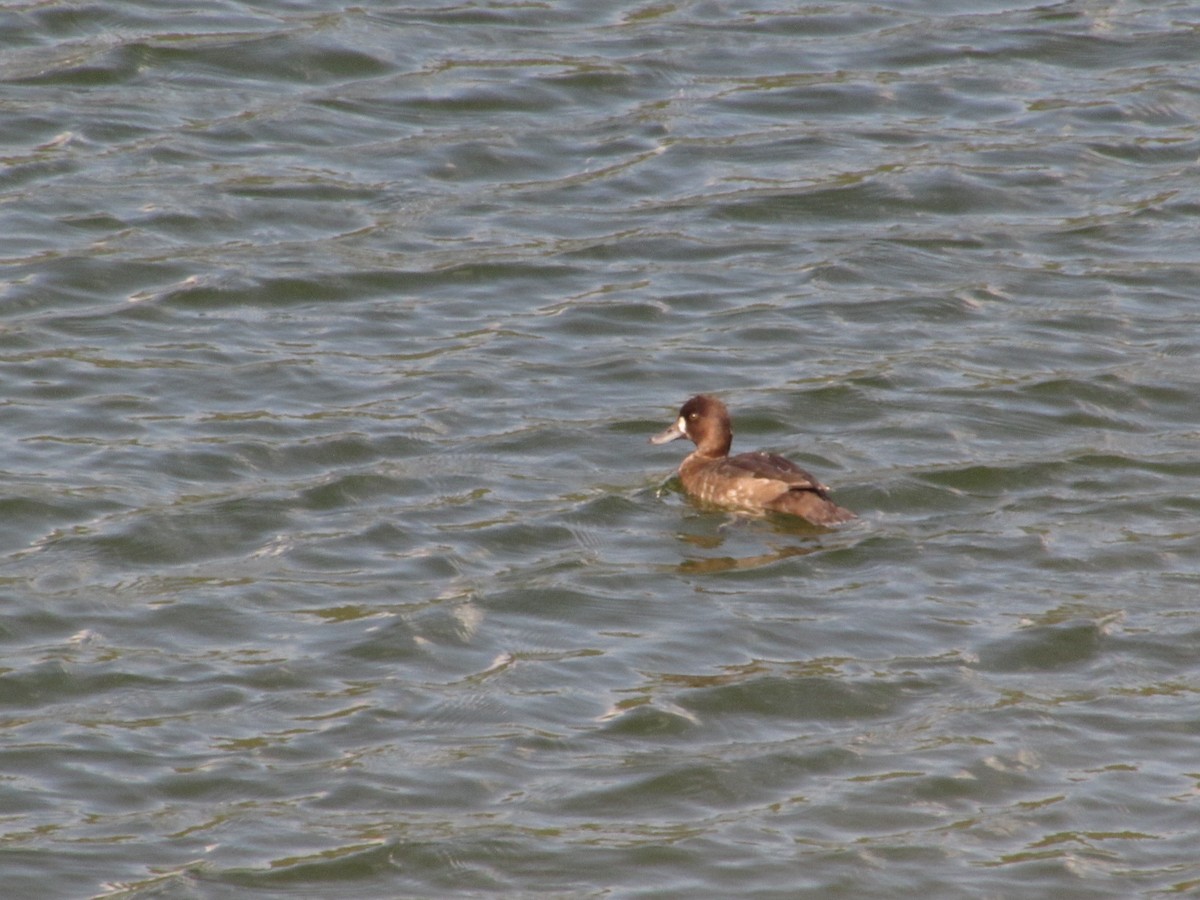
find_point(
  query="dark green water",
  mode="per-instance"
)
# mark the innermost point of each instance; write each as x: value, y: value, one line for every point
x: 333, y: 558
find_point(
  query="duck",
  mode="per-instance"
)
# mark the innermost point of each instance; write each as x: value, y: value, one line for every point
x: 756, y: 482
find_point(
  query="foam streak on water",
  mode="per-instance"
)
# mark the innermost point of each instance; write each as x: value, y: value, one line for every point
x: 334, y: 558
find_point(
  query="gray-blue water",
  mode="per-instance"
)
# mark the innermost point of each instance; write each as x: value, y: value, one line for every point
x: 334, y: 561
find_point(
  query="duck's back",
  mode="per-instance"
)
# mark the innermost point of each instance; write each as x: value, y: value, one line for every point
x: 760, y: 481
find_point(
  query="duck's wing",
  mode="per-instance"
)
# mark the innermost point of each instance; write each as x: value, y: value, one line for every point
x: 776, y: 468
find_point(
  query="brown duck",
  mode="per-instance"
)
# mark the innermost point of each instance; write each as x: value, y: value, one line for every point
x: 751, y: 481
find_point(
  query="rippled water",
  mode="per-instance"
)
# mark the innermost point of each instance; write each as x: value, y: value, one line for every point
x: 334, y: 558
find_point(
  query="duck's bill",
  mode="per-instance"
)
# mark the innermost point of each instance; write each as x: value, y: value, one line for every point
x: 671, y: 433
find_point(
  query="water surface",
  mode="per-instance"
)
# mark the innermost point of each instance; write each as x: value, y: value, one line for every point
x: 334, y: 558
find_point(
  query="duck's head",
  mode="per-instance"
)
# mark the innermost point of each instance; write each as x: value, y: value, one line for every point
x: 704, y: 420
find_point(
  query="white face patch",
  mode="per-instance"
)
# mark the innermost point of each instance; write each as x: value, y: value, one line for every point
x: 682, y: 425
